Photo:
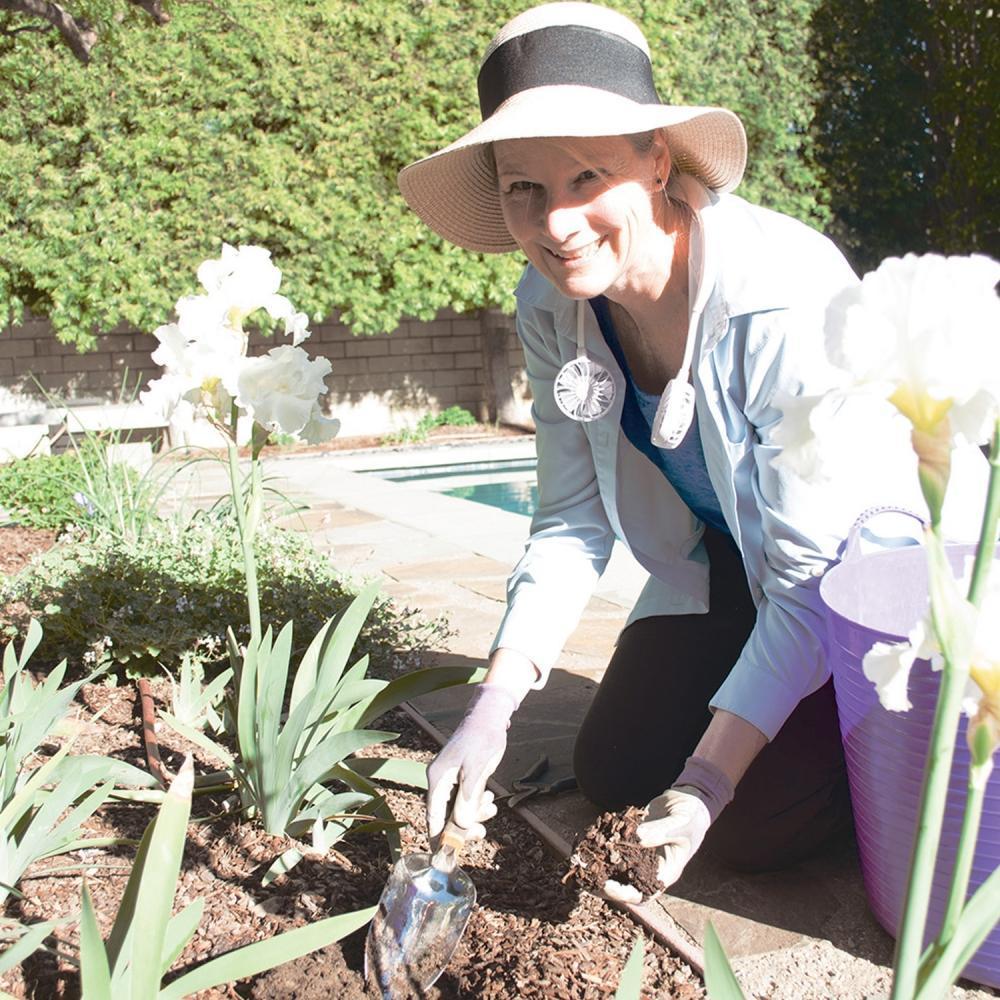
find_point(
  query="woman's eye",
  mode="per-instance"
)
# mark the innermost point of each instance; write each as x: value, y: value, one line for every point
x: 516, y: 186
x: 586, y: 175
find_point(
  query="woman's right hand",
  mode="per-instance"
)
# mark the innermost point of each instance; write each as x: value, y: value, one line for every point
x: 466, y: 763
x: 462, y: 768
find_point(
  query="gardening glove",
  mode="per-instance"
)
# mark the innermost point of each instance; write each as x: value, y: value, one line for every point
x: 676, y: 823
x: 465, y: 764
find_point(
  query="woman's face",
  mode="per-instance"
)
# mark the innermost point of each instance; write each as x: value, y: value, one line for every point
x: 584, y: 211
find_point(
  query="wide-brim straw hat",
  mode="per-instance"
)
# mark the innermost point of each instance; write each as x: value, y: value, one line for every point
x: 563, y: 70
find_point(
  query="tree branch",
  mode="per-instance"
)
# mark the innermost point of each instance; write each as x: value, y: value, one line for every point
x: 77, y: 34
x: 154, y: 8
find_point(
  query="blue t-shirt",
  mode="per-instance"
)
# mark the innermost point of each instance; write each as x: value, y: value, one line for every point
x: 684, y: 466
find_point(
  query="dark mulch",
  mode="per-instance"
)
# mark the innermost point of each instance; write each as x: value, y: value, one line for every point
x: 530, y: 935
x: 608, y: 850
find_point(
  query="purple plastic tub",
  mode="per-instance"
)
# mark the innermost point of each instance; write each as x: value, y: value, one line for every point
x: 879, y: 597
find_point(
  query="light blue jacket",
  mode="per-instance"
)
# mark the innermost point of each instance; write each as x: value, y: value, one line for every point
x: 760, y: 333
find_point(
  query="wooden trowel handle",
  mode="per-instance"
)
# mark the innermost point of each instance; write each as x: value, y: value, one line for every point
x: 450, y: 846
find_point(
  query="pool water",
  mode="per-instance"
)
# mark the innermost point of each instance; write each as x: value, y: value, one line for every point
x: 517, y: 497
x: 509, y: 484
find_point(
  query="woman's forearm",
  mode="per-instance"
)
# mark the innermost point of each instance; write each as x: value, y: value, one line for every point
x: 731, y: 744
x: 512, y: 671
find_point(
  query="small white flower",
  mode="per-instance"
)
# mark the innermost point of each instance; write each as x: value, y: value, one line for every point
x: 922, y: 331
x: 915, y: 345
x: 82, y: 500
x: 243, y: 277
x: 887, y: 665
x: 279, y: 389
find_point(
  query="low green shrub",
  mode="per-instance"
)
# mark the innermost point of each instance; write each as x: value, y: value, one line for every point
x: 172, y: 593
x: 79, y: 486
x: 454, y: 416
x: 38, y: 491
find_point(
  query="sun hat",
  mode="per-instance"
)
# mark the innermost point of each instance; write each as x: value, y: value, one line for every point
x: 562, y: 70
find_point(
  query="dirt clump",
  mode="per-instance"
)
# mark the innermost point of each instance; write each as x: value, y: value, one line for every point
x: 609, y: 850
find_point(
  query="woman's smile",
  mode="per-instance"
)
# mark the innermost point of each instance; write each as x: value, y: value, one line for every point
x: 584, y: 211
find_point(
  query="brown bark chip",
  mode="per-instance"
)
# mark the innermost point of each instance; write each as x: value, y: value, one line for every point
x: 609, y: 850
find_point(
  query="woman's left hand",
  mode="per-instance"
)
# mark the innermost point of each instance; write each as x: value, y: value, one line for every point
x: 675, y: 825
x: 676, y: 821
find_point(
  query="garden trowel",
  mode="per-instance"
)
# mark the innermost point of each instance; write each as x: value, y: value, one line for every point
x: 423, y: 910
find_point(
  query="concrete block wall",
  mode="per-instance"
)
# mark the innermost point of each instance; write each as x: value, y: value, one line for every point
x: 378, y: 384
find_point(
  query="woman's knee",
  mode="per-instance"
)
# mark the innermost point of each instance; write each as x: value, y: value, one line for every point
x: 613, y: 778
x: 751, y: 840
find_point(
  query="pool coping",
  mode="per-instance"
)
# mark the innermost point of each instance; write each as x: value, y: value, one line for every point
x: 478, y: 528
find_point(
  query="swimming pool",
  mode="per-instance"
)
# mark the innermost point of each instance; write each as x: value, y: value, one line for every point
x: 508, y: 483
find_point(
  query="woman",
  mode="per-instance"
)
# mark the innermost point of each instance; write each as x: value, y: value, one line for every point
x: 660, y: 317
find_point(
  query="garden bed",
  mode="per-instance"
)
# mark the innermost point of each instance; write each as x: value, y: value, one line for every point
x: 531, y: 934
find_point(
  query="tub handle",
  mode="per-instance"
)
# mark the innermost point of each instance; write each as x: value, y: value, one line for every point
x: 852, y: 549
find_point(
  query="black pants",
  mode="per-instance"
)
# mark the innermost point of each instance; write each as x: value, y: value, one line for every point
x: 651, y: 709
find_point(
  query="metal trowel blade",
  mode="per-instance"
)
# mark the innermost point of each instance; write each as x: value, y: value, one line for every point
x: 417, y: 926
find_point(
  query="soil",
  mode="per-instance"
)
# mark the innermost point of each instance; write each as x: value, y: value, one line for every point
x: 19, y: 544
x: 608, y: 850
x: 529, y: 935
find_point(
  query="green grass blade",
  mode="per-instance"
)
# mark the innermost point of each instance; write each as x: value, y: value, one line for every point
x: 119, y: 772
x: 338, y: 649
x: 246, y: 719
x: 256, y: 958
x: 26, y: 794
x: 121, y: 933
x: 378, y: 807
x: 417, y: 683
x: 62, y: 836
x: 630, y: 984
x: 289, y: 740
x: 31, y: 641
x: 211, y: 692
x: 281, y: 865
x: 394, y: 769
x: 308, y: 669
x: 27, y: 944
x: 159, y: 883
x: 272, y: 675
x: 201, y: 740
x: 95, y: 974
x: 979, y: 916
x: 320, y: 762
x: 180, y: 930
x: 720, y: 982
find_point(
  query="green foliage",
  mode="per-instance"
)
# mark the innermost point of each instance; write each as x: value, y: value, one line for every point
x: 284, y: 125
x: 720, y: 982
x: 146, y: 940
x: 148, y: 604
x: 906, y: 129
x: 42, y: 808
x: 453, y: 416
x: 38, y: 491
x: 284, y: 760
x: 85, y: 485
x: 630, y: 984
x: 751, y: 56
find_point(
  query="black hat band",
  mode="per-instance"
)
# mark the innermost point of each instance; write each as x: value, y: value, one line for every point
x: 566, y: 54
